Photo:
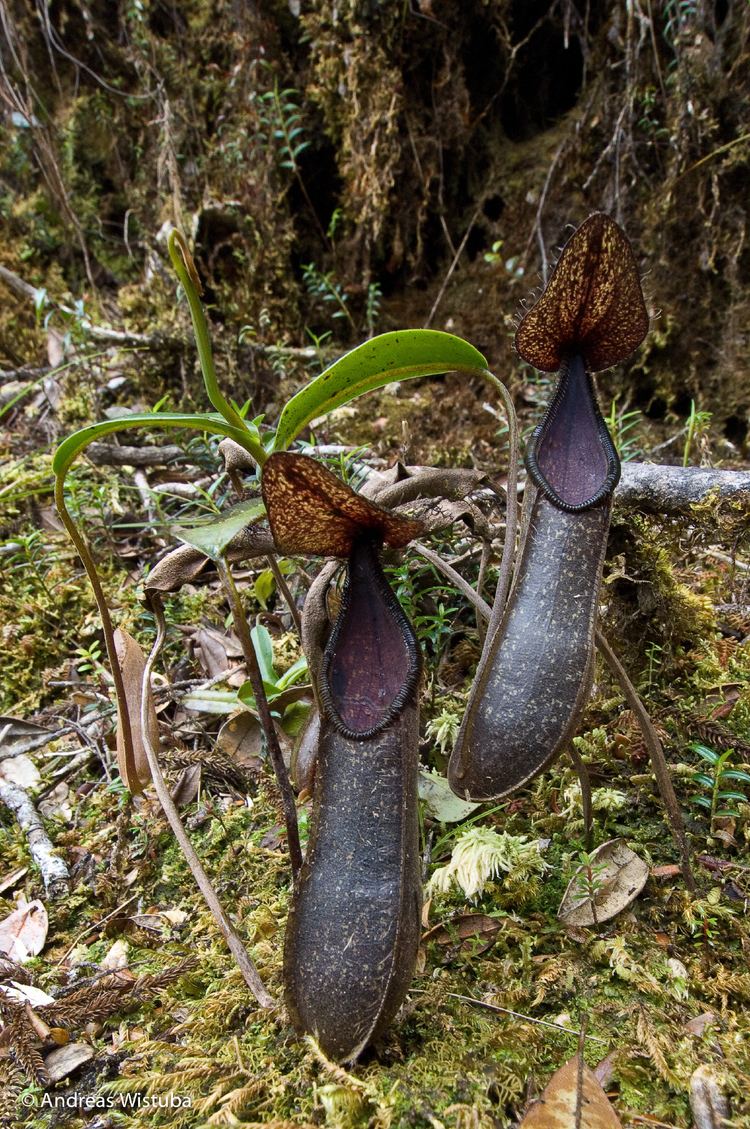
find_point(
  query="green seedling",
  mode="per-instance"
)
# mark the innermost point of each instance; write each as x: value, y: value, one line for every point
x: 715, y: 781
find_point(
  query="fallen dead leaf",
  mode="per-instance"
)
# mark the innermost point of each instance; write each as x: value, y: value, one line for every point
x: 26, y: 994
x: 55, y: 803
x: 473, y: 931
x: 20, y: 770
x: 12, y: 879
x: 116, y: 957
x: 23, y: 932
x: 132, y: 662
x: 441, y: 802
x: 18, y: 736
x: 217, y: 651
x: 561, y: 1100
x: 698, y: 1024
x: 305, y: 752
x: 187, y: 786
x: 617, y: 877
x: 62, y: 1061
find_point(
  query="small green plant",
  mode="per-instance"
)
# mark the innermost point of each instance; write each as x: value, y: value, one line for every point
x: 512, y: 265
x: 443, y: 728
x: 653, y: 656
x: 589, y: 880
x: 697, y: 426
x: 622, y: 425
x: 90, y: 659
x: 715, y: 781
x: 325, y: 289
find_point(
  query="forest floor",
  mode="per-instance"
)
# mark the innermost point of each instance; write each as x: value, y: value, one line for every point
x: 151, y: 1000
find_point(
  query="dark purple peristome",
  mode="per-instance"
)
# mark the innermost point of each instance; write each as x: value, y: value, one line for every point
x: 571, y: 457
x: 371, y: 664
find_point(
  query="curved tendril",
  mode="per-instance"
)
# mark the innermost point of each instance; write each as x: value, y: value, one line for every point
x: 182, y: 261
x: 62, y: 464
x: 511, y: 509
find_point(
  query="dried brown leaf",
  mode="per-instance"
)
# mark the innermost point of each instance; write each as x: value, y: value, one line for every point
x: 562, y: 1106
x: 132, y: 663
x: 23, y: 932
x: 618, y: 876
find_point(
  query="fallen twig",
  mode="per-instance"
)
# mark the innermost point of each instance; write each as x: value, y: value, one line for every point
x: 656, y: 752
x: 53, y: 869
x: 245, y: 964
x: 673, y: 490
x: 112, y: 454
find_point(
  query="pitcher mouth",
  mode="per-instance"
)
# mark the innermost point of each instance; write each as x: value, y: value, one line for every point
x: 570, y: 457
x: 371, y: 663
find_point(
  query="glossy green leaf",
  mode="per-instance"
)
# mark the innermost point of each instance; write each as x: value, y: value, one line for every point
x: 702, y: 778
x: 214, y: 424
x: 296, y: 671
x: 706, y: 753
x: 740, y: 797
x: 735, y: 774
x: 264, y: 651
x: 701, y: 801
x: 264, y: 587
x: 211, y: 701
x: 212, y: 537
x: 391, y: 356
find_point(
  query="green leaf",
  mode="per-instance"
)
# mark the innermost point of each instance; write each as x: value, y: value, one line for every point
x: 740, y: 797
x: 215, y: 424
x: 440, y: 801
x: 211, y: 701
x: 702, y: 778
x: 706, y: 753
x: 212, y: 537
x: 264, y: 586
x: 391, y: 356
x: 735, y: 774
x: 296, y: 671
x: 702, y: 801
x: 726, y: 813
x: 264, y: 651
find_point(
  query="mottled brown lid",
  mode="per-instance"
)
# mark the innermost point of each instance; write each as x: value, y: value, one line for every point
x: 311, y: 511
x: 593, y: 303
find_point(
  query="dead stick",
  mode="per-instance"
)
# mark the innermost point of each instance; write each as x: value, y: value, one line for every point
x: 264, y: 713
x: 53, y: 869
x: 247, y: 967
x: 283, y: 588
x: 656, y: 752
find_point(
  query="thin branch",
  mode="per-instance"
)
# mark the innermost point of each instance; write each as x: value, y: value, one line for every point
x: 53, y: 869
x: 451, y: 268
x: 482, y: 607
x: 588, y: 811
x: 519, y: 1015
x: 264, y: 714
x: 287, y: 596
x: 656, y: 752
x: 244, y: 962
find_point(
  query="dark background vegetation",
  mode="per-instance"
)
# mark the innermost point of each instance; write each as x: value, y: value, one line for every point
x: 422, y: 127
